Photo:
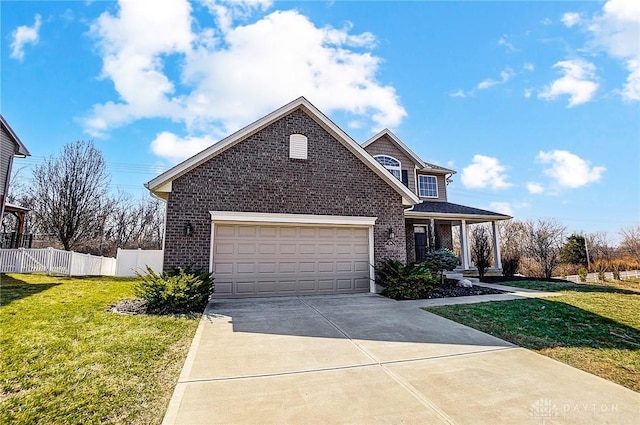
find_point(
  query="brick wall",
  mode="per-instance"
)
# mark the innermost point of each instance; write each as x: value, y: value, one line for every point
x: 257, y: 175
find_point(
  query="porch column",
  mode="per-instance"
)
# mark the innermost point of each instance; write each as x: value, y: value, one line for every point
x: 432, y: 235
x: 464, y: 245
x: 497, y: 261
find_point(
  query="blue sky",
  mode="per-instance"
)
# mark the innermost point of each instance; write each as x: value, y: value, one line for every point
x: 535, y: 104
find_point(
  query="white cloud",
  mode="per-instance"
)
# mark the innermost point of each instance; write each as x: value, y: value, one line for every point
x: 568, y: 169
x: 535, y: 188
x: 484, y: 172
x: 502, y: 208
x: 617, y: 31
x: 232, y: 73
x: 505, y: 75
x: 504, y: 41
x: 570, y: 19
x: 528, y: 92
x: 578, y: 82
x: 24, y: 35
x: 458, y: 93
x: 175, y: 148
x: 528, y: 67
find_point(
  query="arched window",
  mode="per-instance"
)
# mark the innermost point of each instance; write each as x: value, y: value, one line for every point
x: 391, y: 164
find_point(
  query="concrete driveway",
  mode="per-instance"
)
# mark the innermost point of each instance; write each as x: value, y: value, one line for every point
x: 365, y: 359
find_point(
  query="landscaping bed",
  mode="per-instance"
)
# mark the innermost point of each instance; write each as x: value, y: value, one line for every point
x: 451, y: 289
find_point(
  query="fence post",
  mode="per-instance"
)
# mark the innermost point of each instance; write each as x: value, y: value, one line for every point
x: 70, y: 263
x: 20, y: 259
x: 49, y: 260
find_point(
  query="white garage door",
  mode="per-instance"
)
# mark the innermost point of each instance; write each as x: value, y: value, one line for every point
x: 276, y: 260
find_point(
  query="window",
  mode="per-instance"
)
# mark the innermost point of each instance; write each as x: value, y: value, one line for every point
x: 298, y: 146
x: 391, y: 164
x: 427, y: 186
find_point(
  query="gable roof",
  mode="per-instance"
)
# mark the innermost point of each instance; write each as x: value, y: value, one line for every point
x: 161, y: 185
x: 21, y: 149
x: 424, y: 166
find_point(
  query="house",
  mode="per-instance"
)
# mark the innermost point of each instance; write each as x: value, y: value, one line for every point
x: 291, y: 204
x: 10, y: 147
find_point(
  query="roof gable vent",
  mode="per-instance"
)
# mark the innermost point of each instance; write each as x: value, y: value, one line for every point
x: 298, y: 146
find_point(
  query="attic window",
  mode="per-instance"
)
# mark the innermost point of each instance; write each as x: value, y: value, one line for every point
x: 391, y: 164
x: 298, y: 146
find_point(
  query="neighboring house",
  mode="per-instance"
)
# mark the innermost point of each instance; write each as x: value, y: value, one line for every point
x: 292, y: 205
x: 10, y: 147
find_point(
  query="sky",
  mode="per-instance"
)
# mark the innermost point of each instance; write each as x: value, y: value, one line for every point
x: 535, y: 104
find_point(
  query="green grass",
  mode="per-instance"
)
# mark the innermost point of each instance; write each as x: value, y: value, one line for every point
x: 64, y: 358
x: 595, y: 328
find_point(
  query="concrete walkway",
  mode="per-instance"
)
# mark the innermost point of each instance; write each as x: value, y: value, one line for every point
x: 365, y: 359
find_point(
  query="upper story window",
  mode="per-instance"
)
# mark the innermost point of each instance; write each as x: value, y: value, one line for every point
x: 427, y: 186
x: 391, y: 164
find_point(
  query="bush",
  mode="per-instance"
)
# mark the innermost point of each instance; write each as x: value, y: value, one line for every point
x: 582, y: 274
x: 601, y: 267
x: 401, y: 282
x: 441, y: 260
x: 510, y: 264
x: 180, y: 291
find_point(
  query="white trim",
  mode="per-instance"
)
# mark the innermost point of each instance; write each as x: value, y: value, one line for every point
x: 464, y: 245
x: 213, y: 234
x: 22, y: 150
x: 333, y: 220
x: 408, y: 197
x: 372, y: 270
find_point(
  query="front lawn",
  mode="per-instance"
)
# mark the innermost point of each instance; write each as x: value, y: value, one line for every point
x: 595, y: 328
x: 65, y: 358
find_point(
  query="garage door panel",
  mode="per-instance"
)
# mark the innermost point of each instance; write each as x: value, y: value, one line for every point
x: 244, y: 268
x: 269, y: 260
x: 362, y: 284
x: 325, y: 285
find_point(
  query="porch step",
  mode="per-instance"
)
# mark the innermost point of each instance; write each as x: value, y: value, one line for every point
x: 460, y: 276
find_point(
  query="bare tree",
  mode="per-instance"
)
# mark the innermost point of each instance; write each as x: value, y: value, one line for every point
x: 630, y: 244
x: 69, y: 193
x: 543, y: 243
x: 481, y: 249
x: 135, y: 224
x: 512, y: 237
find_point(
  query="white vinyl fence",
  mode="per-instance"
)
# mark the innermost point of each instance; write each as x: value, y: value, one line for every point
x: 593, y: 277
x: 130, y: 261
x: 55, y: 261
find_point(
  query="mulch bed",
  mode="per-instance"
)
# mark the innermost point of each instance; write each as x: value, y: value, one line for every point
x: 452, y: 290
x: 136, y: 306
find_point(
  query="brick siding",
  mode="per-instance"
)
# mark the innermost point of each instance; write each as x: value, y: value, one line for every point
x: 257, y: 175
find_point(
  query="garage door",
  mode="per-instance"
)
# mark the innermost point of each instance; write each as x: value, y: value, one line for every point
x: 276, y: 260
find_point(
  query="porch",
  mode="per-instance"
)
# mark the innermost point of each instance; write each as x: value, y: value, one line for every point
x: 433, y: 225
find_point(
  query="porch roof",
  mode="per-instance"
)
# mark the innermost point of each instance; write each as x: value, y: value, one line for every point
x: 450, y: 211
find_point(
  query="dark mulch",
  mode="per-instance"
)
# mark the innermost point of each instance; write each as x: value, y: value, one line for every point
x: 136, y: 306
x: 451, y: 290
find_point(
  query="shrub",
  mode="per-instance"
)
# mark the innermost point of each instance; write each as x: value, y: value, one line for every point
x: 600, y: 267
x: 440, y: 260
x: 582, y: 274
x: 616, y: 266
x: 510, y: 264
x: 180, y: 291
x: 401, y: 282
